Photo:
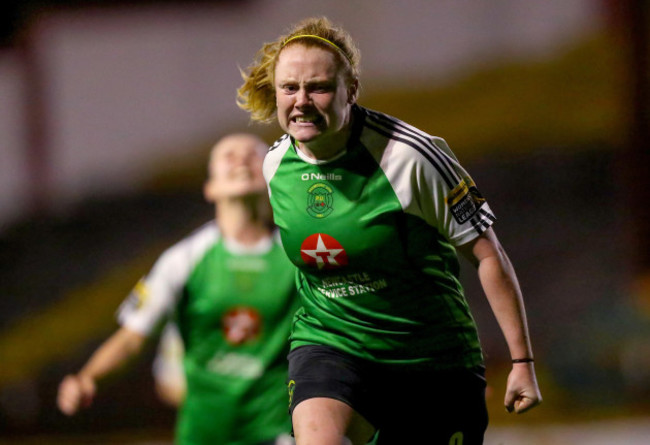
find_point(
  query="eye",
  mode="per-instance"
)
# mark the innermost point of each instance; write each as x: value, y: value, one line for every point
x: 289, y: 88
x: 322, y: 88
x: 229, y: 156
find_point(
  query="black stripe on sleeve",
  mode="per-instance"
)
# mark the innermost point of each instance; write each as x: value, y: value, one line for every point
x: 391, y: 135
x: 420, y: 138
x: 482, y: 220
x: 279, y: 142
x: 487, y: 215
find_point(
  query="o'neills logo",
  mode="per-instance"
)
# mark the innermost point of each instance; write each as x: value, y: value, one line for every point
x: 319, y: 200
x: 323, y: 251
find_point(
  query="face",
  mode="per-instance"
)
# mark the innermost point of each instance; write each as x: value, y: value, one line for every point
x: 313, y: 98
x: 235, y: 169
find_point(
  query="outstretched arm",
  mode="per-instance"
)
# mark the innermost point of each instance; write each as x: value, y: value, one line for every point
x: 77, y: 390
x: 502, y: 290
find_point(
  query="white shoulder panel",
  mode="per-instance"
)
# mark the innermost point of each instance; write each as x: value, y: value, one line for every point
x: 426, y: 177
x: 155, y: 296
x: 274, y: 158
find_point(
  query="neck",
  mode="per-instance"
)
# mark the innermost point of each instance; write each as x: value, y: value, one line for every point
x: 244, y: 220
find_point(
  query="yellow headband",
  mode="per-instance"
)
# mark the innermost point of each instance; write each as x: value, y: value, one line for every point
x: 313, y: 36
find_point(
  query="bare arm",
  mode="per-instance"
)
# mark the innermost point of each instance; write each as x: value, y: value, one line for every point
x: 77, y: 390
x: 171, y: 394
x: 502, y: 290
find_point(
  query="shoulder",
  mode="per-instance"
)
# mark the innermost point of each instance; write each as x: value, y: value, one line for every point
x: 274, y: 156
x: 397, y: 145
x: 278, y: 149
x: 191, y: 248
x: 283, y: 142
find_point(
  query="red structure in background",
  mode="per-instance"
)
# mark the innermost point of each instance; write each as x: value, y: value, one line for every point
x: 629, y: 21
x: 36, y: 129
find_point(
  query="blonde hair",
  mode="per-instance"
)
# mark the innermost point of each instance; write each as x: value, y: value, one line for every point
x: 257, y: 94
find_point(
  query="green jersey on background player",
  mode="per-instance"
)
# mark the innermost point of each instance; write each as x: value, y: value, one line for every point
x: 233, y: 305
x: 229, y: 288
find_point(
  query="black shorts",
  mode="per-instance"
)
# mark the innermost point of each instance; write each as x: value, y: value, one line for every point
x: 406, y: 405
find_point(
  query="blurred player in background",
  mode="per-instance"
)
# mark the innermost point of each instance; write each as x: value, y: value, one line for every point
x: 230, y: 290
x: 373, y: 211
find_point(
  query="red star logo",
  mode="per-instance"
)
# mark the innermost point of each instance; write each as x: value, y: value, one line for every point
x: 241, y: 324
x: 323, y: 251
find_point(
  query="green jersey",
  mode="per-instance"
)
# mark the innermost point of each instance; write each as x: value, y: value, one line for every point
x: 372, y: 232
x: 233, y: 306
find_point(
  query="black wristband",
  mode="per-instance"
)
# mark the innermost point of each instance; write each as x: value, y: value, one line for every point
x: 523, y: 360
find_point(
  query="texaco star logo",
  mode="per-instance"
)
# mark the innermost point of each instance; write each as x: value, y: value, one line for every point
x: 323, y: 251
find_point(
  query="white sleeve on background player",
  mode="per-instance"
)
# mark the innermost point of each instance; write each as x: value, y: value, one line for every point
x: 155, y: 296
x: 167, y: 366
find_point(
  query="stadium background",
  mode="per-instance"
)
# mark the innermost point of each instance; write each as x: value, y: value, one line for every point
x: 107, y: 110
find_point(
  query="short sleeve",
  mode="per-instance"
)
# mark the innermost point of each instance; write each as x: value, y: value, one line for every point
x: 154, y: 297
x: 449, y: 198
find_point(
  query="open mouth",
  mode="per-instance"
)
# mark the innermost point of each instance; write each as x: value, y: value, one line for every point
x: 306, y: 120
x: 241, y: 173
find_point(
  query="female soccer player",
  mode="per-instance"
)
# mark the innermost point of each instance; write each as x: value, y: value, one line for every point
x: 373, y: 211
x: 230, y: 290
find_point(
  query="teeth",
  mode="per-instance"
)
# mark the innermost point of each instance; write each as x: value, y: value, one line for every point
x: 305, y: 119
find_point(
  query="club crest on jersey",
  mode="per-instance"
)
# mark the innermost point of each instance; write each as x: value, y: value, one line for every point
x: 319, y: 200
x: 322, y: 251
x: 464, y: 200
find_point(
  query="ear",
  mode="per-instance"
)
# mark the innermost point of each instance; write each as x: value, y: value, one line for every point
x: 353, y: 91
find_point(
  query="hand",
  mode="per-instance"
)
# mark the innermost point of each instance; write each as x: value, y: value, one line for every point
x: 522, y: 392
x: 75, y: 392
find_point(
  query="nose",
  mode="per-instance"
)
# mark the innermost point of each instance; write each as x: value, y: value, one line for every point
x: 302, y: 98
x: 248, y: 158
x: 245, y: 159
